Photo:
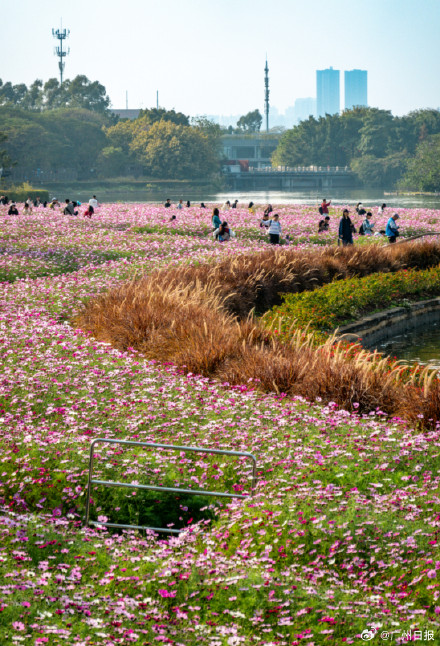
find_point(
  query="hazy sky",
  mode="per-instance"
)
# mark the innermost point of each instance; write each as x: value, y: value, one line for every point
x: 208, y: 56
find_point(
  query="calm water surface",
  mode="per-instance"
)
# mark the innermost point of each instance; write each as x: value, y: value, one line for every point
x: 420, y: 345
x: 368, y: 197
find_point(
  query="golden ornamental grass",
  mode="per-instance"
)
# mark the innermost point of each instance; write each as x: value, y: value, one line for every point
x: 201, y: 319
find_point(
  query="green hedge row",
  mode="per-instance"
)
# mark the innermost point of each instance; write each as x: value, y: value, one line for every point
x: 344, y: 301
x: 21, y: 195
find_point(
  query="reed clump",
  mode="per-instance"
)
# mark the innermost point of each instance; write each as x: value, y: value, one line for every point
x: 200, y: 319
x: 255, y: 281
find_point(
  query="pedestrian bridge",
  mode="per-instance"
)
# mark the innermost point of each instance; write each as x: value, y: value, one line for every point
x: 284, y: 178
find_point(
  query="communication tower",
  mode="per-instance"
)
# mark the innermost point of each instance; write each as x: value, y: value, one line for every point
x: 266, y: 95
x: 61, y: 35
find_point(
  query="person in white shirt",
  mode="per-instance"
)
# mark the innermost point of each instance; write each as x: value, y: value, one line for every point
x: 94, y: 202
x: 381, y: 209
x: 275, y: 230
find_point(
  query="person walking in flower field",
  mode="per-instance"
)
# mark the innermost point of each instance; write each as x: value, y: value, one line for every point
x: 275, y: 230
x: 216, y: 222
x: 345, y: 229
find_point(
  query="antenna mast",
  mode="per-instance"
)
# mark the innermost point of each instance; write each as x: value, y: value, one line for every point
x: 61, y: 35
x: 266, y: 95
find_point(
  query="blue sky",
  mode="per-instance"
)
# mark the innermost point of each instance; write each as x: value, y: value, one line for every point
x: 208, y: 56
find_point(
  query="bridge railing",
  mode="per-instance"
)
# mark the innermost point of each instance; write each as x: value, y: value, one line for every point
x: 300, y: 169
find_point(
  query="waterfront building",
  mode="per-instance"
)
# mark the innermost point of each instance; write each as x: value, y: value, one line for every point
x: 241, y: 151
x: 127, y: 113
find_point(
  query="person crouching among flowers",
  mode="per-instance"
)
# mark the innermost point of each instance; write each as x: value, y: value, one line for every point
x: 223, y: 233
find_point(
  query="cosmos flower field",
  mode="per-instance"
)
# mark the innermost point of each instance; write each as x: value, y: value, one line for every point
x: 340, y: 537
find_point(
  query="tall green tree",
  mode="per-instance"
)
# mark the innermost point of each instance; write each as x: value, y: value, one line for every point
x: 82, y: 93
x: 380, y: 172
x: 34, y: 96
x: 415, y: 127
x: 423, y: 170
x: 250, y: 122
x: 211, y: 131
x: 5, y: 160
x: 117, y: 158
x: 377, y: 133
x: 174, y: 151
x: 297, y: 146
x: 351, y: 124
x: 313, y: 143
x: 152, y: 115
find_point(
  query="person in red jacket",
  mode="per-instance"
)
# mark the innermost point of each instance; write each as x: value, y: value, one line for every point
x: 324, y: 206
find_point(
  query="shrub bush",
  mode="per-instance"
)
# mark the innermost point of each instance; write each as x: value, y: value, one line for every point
x: 343, y: 301
x: 25, y: 191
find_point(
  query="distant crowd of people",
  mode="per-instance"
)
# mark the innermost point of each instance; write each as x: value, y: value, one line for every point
x: 69, y: 207
x: 221, y: 231
x: 347, y: 228
x: 272, y: 226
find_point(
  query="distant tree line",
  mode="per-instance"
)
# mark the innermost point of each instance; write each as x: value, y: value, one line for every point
x: 47, y: 127
x: 38, y: 97
x: 380, y: 148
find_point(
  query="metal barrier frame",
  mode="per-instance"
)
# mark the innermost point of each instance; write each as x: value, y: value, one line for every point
x: 108, y: 483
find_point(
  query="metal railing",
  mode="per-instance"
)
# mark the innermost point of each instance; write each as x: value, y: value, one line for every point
x: 419, y: 235
x: 201, y: 492
x: 300, y: 169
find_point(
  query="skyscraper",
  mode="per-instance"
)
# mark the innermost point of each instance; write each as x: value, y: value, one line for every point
x: 301, y: 111
x: 355, y: 82
x: 327, y: 92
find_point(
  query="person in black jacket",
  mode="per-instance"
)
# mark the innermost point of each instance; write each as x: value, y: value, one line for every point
x: 345, y: 229
x: 13, y: 209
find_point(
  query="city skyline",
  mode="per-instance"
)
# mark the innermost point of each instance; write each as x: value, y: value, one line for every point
x: 208, y: 58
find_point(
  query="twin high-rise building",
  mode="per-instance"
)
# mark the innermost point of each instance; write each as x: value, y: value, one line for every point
x: 328, y: 92
x: 355, y: 87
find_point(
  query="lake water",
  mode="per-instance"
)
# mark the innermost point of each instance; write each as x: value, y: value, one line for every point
x: 369, y: 197
x: 420, y: 345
